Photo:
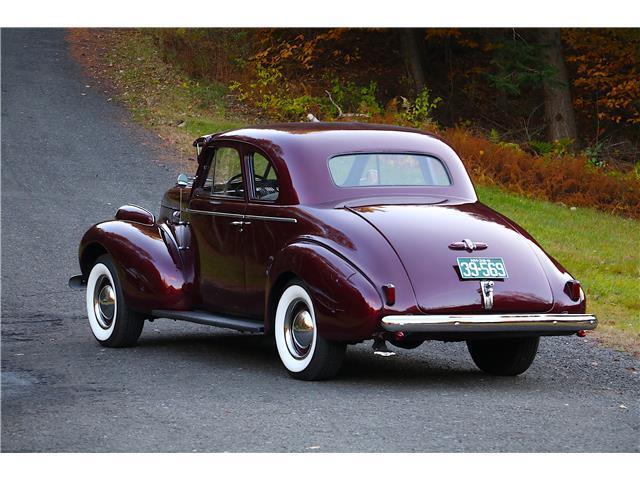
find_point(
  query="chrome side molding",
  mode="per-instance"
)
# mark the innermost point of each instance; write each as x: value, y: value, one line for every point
x: 242, y: 216
x: 271, y: 219
x: 214, y: 214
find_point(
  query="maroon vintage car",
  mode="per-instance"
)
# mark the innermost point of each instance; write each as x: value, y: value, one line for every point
x: 328, y: 234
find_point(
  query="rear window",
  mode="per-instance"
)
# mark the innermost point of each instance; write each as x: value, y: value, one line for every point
x: 388, y: 169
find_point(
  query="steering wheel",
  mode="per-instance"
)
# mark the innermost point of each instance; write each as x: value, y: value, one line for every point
x: 262, y: 189
x: 233, y: 180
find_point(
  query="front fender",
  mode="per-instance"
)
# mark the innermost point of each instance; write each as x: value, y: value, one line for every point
x: 347, y: 305
x: 151, y: 270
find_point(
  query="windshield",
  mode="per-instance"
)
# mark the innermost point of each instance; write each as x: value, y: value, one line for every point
x: 388, y: 169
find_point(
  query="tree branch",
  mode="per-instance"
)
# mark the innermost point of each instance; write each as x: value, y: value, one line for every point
x: 341, y: 114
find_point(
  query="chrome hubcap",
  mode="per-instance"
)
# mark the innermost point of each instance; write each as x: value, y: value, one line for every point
x: 299, y: 330
x: 104, y: 302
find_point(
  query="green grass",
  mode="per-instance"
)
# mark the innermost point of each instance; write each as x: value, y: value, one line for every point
x: 198, y: 126
x: 599, y: 249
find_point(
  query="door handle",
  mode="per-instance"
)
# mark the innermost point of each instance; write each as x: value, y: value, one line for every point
x: 240, y: 223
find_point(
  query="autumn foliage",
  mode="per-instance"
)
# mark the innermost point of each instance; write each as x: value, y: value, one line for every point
x: 570, y: 180
x: 607, y: 73
x: 483, y: 94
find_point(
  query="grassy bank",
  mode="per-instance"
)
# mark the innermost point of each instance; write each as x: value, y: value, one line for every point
x: 598, y: 248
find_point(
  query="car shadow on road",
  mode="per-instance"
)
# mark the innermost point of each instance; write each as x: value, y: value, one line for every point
x: 257, y: 353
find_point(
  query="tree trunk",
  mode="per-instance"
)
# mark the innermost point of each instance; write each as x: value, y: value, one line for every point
x: 558, y: 107
x: 411, y: 40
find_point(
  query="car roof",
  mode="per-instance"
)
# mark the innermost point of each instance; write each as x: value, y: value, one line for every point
x: 297, y: 132
x: 302, y: 150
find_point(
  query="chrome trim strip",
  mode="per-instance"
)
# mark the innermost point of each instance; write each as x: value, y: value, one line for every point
x: 241, y: 216
x: 215, y: 214
x: 525, y: 322
x: 271, y: 219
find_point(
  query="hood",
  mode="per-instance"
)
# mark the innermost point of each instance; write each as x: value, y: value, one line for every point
x: 421, y: 235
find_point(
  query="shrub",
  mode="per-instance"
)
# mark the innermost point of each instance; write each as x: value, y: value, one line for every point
x: 557, y: 148
x: 422, y: 108
x: 570, y: 180
x: 594, y: 155
x: 353, y: 98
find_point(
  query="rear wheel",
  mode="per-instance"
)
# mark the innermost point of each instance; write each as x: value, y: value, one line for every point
x: 111, y: 322
x: 505, y: 357
x: 304, y: 353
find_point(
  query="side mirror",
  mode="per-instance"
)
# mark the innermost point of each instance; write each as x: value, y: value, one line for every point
x: 182, y: 181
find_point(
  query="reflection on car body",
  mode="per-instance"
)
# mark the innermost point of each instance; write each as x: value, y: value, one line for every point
x: 329, y: 234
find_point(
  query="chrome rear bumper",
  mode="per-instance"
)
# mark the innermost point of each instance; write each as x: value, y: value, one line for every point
x: 512, y: 322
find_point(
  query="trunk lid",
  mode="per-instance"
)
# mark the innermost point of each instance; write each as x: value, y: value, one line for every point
x: 421, y: 235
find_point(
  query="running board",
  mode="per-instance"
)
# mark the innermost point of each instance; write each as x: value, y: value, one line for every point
x: 211, y: 319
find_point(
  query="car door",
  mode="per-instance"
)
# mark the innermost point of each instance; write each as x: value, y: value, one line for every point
x: 216, y: 212
x: 269, y: 225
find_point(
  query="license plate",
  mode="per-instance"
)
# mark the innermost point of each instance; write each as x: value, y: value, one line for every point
x: 480, y: 267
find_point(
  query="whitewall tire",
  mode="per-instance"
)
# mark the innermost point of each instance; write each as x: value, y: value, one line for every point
x: 102, y: 307
x: 111, y: 322
x: 303, y: 352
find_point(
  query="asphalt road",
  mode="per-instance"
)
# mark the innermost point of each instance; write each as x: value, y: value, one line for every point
x: 69, y: 158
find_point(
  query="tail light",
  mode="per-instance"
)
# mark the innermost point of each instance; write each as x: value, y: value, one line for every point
x: 572, y: 288
x: 389, y: 291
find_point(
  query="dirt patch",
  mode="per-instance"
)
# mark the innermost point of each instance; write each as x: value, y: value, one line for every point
x: 88, y: 47
x: 616, y: 339
x: 95, y: 50
x: 129, y: 67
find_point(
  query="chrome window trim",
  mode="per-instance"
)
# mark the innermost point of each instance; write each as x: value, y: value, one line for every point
x: 546, y: 322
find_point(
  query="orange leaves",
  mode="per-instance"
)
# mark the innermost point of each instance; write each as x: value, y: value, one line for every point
x: 292, y: 49
x: 606, y: 79
x: 568, y: 179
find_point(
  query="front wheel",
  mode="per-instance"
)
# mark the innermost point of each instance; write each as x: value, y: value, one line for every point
x: 111, y: 322
x: 506, y: 357
x: 304, y: 353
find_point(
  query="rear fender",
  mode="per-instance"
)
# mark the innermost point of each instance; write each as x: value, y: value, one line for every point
x: 557, y: 275
x: 347, y: 305
x: 153, y: 273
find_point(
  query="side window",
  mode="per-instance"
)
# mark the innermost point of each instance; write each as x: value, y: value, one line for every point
x: 225, y: 174
x: 264, y: 178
